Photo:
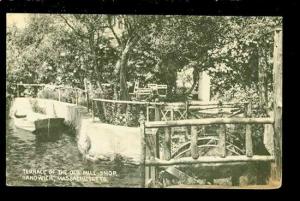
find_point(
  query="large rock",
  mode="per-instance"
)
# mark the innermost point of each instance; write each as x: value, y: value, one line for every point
x: 107, y: 140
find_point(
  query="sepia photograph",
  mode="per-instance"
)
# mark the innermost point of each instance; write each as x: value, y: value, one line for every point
x: 143, y: 101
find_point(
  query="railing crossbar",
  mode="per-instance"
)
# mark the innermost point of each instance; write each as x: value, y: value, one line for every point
x: 56, y: 86
x: 206, y: 121
x: 207, y: 159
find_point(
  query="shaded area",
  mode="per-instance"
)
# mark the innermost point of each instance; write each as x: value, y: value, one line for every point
x: 23, y: 151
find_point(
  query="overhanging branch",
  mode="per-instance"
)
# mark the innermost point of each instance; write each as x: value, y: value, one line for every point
x: 75, y: 31
x: 113, y: 32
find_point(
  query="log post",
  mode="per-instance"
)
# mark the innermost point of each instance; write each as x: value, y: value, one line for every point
x: 172, y: 118
x: 18, y: 90
x: 167, y: 144
x: 269, y: 135
x: 59, y: 94
x: 186, y: 109
x: 248, y: 137
x: 152, y: 171
x: 222, y: 134
x: 104, y: 110
x: 157, y: 115
x: 147, y: 112
x: 76, y: 96
x: 222, y: 141
x: 194, y: 139
x: 186, y: 116
x: 93, y: 116
x: 86, y: 93
x: 277, y: 77
x: 90, y: 89
x: 87, y: 100
x: 143, y: 149
x: 157, y: 118
x: 97, y: 110
x: 128, y: 111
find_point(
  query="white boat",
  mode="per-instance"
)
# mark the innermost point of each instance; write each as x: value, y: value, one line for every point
x: 25, y: 118
x: 49, y: 124
x: 37, y: 122
x: 25, y: 124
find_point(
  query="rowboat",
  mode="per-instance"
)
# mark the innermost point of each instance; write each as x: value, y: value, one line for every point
x: 37, y: 123
x: 24, y: 124
x: 49, y: 124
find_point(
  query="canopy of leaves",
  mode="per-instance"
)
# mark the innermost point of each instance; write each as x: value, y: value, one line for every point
x: 66, y: 49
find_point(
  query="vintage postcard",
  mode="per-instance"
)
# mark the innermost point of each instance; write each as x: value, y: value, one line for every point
x: 143, y: 101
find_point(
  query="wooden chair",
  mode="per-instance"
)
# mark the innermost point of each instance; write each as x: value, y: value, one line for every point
x: 162, y: 90
x: 140, y: 92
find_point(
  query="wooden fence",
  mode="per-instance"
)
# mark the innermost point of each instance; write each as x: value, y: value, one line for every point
x: 178, y: 110
x: 155, y: 161
x: 77, y: 91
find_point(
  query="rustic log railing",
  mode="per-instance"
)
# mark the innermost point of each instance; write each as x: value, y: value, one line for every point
x: 147, y: 106
x: 59, y: 88
x: 166, y: 160
x: 192, y: 104
x: 171, y: 111
x: 208, y: 121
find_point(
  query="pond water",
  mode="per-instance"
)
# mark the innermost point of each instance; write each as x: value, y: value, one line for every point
x: 30, y: 162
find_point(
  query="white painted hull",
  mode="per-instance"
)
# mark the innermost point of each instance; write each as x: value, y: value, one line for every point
x: 25, y: 124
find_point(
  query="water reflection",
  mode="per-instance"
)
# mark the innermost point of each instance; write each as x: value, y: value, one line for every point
x: 24, y: 151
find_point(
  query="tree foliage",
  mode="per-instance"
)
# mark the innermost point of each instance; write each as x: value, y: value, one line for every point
x: 117, y: 49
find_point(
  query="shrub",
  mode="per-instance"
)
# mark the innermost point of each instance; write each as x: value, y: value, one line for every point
x: 48, y: 93
x: 36, y: 108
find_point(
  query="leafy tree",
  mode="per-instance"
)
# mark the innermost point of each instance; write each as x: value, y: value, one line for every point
x: 175, y: 43
x: 243, y: 56
x: 135, y: 28
x: 30, y: 53
x: 66, y: 49
x: 89, y: 47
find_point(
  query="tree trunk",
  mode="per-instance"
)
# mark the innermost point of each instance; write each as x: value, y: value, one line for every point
x: 262, y: 83
x: 123, y: 71
x: 195, y: 81
x: 123, y: 77
x: 95, y: 61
